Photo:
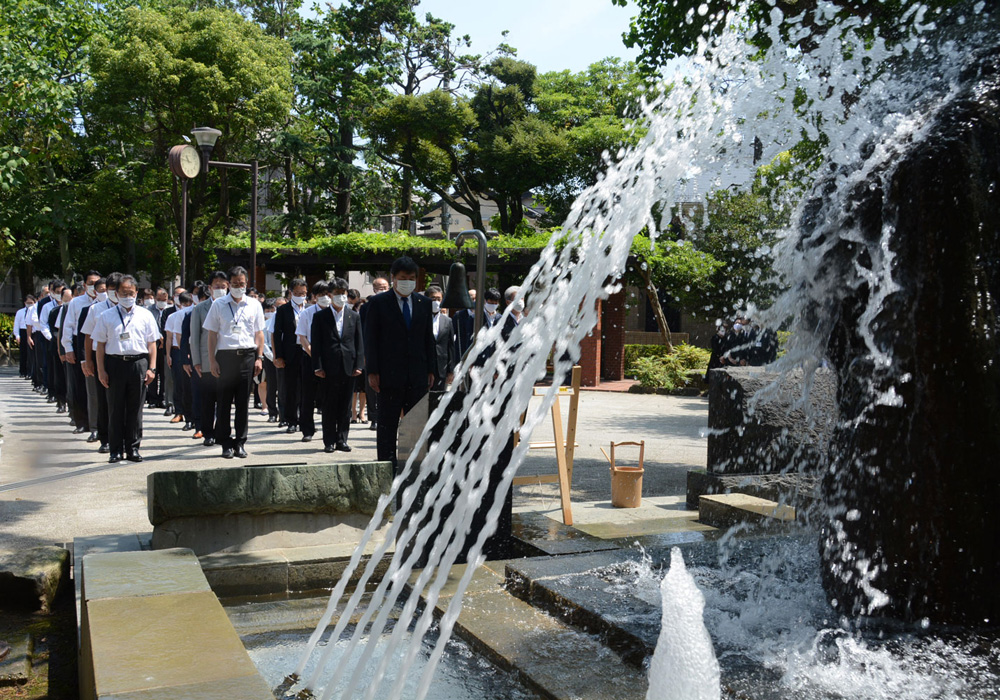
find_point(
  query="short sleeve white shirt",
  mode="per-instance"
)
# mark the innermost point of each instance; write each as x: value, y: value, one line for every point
x: 92, y: 317
x: 304, y: 325
x: 72, y: 320
x: 31, y: 318
x: 126, y: 332
x: 236, y: 323
x: 174, y: 324
x: 19, y: 320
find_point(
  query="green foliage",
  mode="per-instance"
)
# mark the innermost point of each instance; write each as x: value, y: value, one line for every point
x: 666, y: 30
x: 659, y: 369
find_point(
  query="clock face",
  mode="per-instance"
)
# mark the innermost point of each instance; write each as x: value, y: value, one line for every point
x: 185, y: 161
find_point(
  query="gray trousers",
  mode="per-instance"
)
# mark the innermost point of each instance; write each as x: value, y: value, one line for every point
x: 168, y: 389
x: 92, y: 406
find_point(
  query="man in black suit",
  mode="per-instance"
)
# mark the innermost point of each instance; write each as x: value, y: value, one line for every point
x: 337, y: 359
x: 288, y: 353
x: 444, y: 339
x: 464, y: 324
x: 379, y: 285
x: 399, y: 351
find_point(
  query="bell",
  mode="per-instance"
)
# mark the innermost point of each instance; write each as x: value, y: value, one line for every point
x: 457, y: 294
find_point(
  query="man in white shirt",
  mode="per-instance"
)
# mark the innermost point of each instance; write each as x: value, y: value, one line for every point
x: 101, y: 306
x: 74, y: 350
x: 126, y: 345
x: 43, y: 336
x: 235, y: 326
x: 21, y: 331
x: 309, y: 384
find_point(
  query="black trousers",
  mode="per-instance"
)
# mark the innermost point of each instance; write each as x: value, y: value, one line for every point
x: 103, y: 409
x: 371, y: 403
x: 209, y: 388
x: 308, y: 390
x: 57, y: 375
x: 290, y: 383
x: 79, y: 405
x: 23, y: 367
x: 126, y: 397
x: 235, y: 380
x: 271, y: 377
x: 38, y: 375
x: 156, y: 388
x: 338, y: 390
x: 182, y: 385
x: 391, y: 404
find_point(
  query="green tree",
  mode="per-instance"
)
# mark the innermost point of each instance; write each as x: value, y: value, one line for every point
x: 156, y: 77
x: 43, y: 45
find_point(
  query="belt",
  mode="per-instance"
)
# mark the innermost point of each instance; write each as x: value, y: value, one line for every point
x: 131, y: 358
x: 242, y: 351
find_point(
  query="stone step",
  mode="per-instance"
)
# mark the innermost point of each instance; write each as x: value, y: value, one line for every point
x: 726, y: 510
x: 552, y: 658
x: 15, y: 660
x: 31, y: 578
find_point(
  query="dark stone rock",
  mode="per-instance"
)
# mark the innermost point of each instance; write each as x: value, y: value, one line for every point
x: 32, y: 578
x: 334, y: 489
x: 760, y: 423
x: 912, y: 476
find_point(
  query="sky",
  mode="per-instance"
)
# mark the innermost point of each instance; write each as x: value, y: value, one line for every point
x: 552, y: 34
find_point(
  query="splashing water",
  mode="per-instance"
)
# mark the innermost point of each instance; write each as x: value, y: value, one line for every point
x: 684, y: 665
x: 730, y: 94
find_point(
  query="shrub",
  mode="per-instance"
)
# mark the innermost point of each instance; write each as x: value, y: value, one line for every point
x: 659, y: 369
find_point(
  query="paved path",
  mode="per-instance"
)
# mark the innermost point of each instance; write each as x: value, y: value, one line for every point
x: 54, y: 486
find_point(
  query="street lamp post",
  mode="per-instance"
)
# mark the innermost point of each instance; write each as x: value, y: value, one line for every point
x: 184, y: 165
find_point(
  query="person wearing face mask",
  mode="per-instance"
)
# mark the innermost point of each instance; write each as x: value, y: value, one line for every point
x: 99, y: 308
x: 73, y: 349
x: 444, y: 340
x: 218, y: 287
x: 516, y: 311
x: 57, y: 373
x: 379, y: 285
x: 288, y: 354
x: 169, y: 390
x: 235, y: 326
x: 337, y: 356
x: 80, y: 343
x: 126, y: 338
x: 155, y: 391
x: 491, y: 306
x: 43, y: 336
x: 34, y: 338
x: 309, y: 387
x: 399, y: 351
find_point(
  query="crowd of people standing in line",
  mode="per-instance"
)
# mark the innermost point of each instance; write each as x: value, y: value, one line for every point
x: 742, y: 343
x: 104, y: 350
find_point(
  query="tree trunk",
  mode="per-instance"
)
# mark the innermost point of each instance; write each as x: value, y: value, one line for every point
x: 654, y: 301
x: 346, y: 157
x: 406, y: 188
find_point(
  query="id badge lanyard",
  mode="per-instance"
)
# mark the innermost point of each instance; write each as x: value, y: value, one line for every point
x: 124, y: 334
x: 237, y: 317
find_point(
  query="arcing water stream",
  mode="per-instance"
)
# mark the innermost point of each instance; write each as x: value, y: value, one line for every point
x: 843, y: 88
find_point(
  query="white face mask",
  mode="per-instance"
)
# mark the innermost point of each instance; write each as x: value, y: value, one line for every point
x: 435, y: 306
x: 218, y: 293
x: 90, y: 291
x: 102, y: 296
x: 161, y: 305
x: 148, y: 303
x: 405, y: 287
x: 54, y: 297
x: 127, y: 302
x: 490, y: 307
x: 177, y: 301
x: 268, y: 315
x: 323, y: 301
x: 298, y: 301
x: 339, y: 300
x: 519, y: 306
x: 737, y: 327
x: 112, y: 296
x: 238, y: 292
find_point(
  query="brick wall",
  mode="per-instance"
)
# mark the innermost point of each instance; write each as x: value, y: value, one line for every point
x: 613, y: 337
x: 590, y: 355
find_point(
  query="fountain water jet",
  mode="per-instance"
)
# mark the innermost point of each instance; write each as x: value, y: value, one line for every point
x: 692, y: 132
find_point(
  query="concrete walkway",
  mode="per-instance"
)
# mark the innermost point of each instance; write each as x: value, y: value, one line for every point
x: 54, y: 486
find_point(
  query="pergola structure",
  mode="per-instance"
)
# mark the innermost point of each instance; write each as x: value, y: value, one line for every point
x: 602, y: 354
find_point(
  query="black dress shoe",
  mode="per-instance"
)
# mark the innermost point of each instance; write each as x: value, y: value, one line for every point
x: 373, y: 426
x: 79, y: 430
x: 282, y: 424
x: 343, y: 447
x: 329, y: 448
x: 168, y: 412
x: 291, y: 429
x: 240, y: 452
x: 114, y: 459
x: 187, y: 426
x: 134, y: 457
x: 92, y: 437
x: 208, y: 442
x: 104, y: 448
x: 307, y: 438
x: 227, y: 453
